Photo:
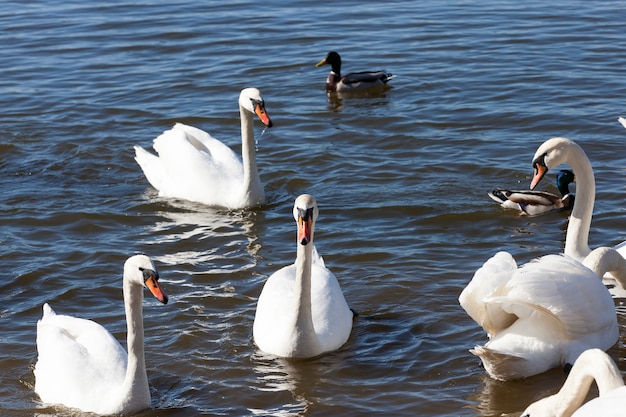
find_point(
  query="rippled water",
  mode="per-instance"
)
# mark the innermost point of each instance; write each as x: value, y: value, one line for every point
x: 401, y: 178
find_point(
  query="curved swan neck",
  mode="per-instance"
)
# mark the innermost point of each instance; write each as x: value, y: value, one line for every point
x: 576, y: 241
x: 251, y: 179
x: 592, y: 364
x: 605, y: 259
x: 136, y: 380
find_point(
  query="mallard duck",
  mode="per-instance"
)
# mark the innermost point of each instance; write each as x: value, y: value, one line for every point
x: 537, y: 202
x: 351, y: 81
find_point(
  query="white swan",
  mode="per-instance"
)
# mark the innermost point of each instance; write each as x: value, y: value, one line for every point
x: 194, y: 166
x: 622, y: 121
x: 547, y: 312
x: 301, y: 312
x: 592, y: 364
x: 81, y: 365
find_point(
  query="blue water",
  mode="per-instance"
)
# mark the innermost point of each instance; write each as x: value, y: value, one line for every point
x: 401, y: 179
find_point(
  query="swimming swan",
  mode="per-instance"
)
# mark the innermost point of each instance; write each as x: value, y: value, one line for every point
x: 545, y: 313
x: 194, y: 166
x: 81, y: 365
x: 301, y: 312
x: 591, y: 365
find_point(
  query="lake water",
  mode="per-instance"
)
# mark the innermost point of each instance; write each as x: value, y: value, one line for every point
x: 400, y: 177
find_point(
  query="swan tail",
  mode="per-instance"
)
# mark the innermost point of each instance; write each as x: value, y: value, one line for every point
x: 500, y: 366
x: 151, y: 166
x: 48, y: 311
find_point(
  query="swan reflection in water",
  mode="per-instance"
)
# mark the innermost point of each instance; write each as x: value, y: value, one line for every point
x: 206, y: 236
x: 295, y: 379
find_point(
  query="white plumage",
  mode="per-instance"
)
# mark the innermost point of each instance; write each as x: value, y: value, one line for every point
x: 301, y: 312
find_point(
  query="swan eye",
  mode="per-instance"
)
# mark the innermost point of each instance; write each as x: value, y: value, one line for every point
x: 256, y: 102
x: 149, y: 273
x: 540, y: 160
x: 305, y: 214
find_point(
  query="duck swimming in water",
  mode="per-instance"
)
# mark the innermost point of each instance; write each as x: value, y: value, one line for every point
x: 352, y: 81
x: 532, y: 202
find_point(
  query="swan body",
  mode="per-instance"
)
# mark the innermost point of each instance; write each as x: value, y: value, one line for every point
x: 81, y: 365
x: 539, y: 316
x: 301, y: 312
x: 592, y: 365
x: 534, y: 203
x: 194, y: 166
x: 622, y: 121
x: 352, y: 81
x: 550, y: 310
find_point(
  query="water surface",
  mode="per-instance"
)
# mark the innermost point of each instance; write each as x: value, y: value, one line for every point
x: 401, y: 179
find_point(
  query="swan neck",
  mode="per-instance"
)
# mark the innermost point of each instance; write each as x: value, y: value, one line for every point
x: 251, y: 178
x: 604, y: 259
x: 136, y: 380
x: 303, y: 287
x: 576, y: 240
x: 305, y: 343
x: 591, y: 365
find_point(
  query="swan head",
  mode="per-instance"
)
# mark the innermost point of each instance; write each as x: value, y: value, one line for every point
x: 334, y: 60
x: 251, y: 100
x: 551, y: 153
x: 305, y: 213
x: 140, y: 270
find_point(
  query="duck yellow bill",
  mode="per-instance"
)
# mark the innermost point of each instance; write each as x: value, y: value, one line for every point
x: 322, y: 62
x: 156, y: 290
x: 259, y: 109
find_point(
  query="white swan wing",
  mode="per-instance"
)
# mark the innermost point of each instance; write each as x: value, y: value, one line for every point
x: 570, y: 291
x: 489, y: 281
x: 196, y: 167
x: 274, y: 312
x: 77, y: 361
x: 221, y: 155
x: 332, y: 318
